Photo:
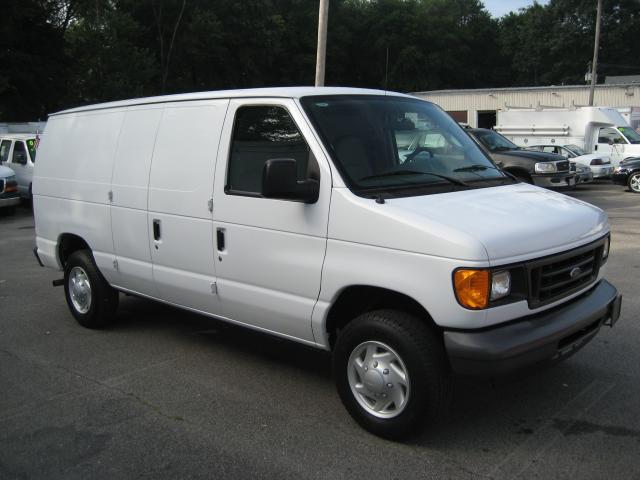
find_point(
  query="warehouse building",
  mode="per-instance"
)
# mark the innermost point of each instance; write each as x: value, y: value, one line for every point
x: 478, y: 107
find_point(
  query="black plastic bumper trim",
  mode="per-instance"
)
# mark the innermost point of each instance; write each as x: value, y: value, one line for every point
x: 548, y: 336
x: 35, y: 252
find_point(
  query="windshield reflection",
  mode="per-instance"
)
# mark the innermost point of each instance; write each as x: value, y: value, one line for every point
x: 390, y: 142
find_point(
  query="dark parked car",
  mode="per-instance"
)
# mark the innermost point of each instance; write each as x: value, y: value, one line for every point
x: 628, y: 173
x: 540, y: 168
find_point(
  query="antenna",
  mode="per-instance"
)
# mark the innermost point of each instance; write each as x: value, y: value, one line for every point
x: 386, y: 72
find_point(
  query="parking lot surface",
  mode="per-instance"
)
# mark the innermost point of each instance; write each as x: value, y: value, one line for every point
x: 163, y: 393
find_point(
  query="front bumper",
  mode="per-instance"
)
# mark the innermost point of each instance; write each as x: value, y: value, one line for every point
x: 602, y: 172
x: 545, y: 337
x: 620, y: 178
x: 584, y: 177
x: 9, y: 201
x: 554, y: 180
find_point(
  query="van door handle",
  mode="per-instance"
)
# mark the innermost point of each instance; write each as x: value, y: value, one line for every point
x: 156, y: 229
x: 595, y: 147
x: 220, y: 239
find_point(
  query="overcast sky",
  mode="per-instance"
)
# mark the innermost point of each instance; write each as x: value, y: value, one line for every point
x: 499, y: 8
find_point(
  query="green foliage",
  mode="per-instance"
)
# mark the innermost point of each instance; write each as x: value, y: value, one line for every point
x: 61, y: 53
x: 32, y: 60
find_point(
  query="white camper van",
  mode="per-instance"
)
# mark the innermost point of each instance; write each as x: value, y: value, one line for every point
x: 291, y: 211
x: 598, y: 130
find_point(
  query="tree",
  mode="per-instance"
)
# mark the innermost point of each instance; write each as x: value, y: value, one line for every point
x: 33, y: 61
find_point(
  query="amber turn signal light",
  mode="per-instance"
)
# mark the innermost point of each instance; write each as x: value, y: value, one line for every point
x: 472, y: 288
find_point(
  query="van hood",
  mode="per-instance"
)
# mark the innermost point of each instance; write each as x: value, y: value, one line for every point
x: 6, y: 172
x: 497, y: 225
x: 513, y: 221
x: 537, y: 156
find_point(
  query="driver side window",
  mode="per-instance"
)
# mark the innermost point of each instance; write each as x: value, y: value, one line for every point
x: 262, y: 133
x: 610, y: 136
x: 19, y: 154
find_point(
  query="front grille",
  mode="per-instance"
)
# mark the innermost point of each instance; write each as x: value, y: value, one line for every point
x: 557, y: 276
x: 562, y: 166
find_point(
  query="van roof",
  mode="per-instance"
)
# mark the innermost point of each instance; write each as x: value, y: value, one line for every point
x: 19, y: 136
x: 279, y: 92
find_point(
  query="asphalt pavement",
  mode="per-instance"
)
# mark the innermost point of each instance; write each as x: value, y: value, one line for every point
x: 163, y: 393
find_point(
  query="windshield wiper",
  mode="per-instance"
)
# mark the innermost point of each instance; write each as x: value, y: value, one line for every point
x: 476, y: 167
x: 455, y: 181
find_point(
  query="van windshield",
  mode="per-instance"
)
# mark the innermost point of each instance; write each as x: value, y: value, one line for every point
x: 630, y: 134
x: 576, y: 149
x: 494, y: 141
x: 394, y: 143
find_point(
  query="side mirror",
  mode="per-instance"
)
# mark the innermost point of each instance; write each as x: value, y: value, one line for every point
x: 280, y: 181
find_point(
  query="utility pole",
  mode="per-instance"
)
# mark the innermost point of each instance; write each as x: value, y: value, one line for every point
x: 594, y: 64
x: 321, y: 57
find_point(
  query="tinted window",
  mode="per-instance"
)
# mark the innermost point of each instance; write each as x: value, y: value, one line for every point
x: 610, y: 135
x: 5, y: 146
x: 262, y: 133
x: 19, y: 154
x: 390, y: 143
x: 494, y: 141
x: 32, y: 145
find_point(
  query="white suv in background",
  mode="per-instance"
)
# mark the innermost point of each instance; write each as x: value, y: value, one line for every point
x: 18, y: 152
x: 599, y: 164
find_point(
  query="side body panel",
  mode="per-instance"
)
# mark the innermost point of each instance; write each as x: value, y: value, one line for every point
x: 130, y: 186
x: 270, y: 268
x: 180, y: 187
x: 72, y: 183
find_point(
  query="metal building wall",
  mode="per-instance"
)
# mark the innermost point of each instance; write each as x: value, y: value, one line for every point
x: 493, y: 99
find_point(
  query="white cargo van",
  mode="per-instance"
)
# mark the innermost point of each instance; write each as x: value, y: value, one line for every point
x: 291, y: 211
x: 598, y: 130
x: 18, y: 152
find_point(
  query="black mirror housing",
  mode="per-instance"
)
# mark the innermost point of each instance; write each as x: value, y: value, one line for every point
x: 280, y: 181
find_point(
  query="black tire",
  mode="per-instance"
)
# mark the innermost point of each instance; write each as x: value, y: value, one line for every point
x: 103, y: 301
x: 634, y: 178
x: 7, y: 211
x: 428, y: 371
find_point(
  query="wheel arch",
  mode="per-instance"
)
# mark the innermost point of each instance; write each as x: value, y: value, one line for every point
x: 518, y: 171
x: 69, y: 243
x: 355, y: 300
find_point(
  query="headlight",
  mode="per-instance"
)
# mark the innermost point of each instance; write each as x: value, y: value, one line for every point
x: 474, y: 288
x: 545, y: 167
x: 500, y: 284
x: 10, y: 179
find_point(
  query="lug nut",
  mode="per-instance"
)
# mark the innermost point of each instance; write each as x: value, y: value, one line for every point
x: 366, y: 368
x: 386, y: 371
x: 390, y: 385
x: 375, y: 364
x: 384, y: 395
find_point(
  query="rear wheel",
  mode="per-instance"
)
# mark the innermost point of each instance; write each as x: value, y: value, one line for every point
x: 91, y: 299
x: 7, y: 211
x: 391, y: 373
x: 634, y: 182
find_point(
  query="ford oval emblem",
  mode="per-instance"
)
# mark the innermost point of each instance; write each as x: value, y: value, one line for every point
x: 575, y: 272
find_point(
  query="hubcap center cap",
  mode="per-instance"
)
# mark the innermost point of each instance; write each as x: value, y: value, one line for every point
x: 373, y: 381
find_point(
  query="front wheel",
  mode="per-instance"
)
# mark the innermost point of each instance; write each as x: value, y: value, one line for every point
x: 391, y: 373
x: 89, y: 296
x: 634, y: 182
